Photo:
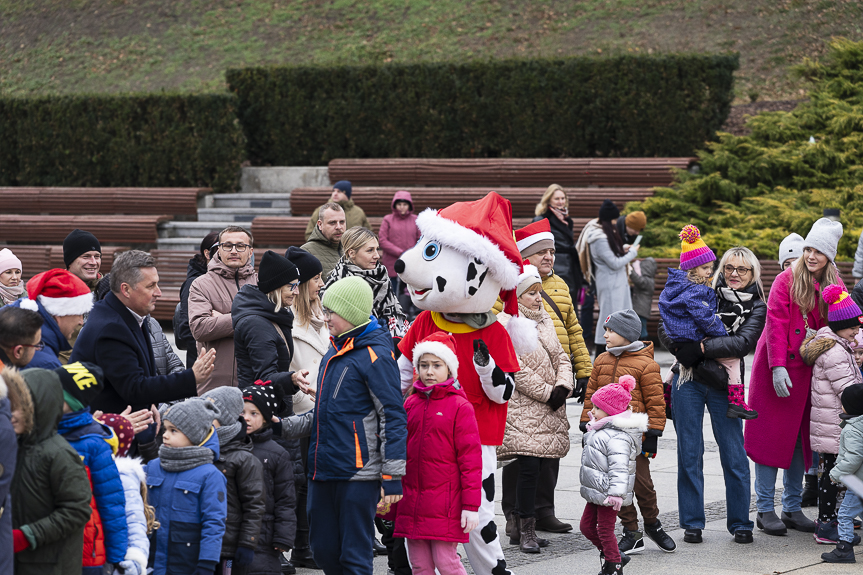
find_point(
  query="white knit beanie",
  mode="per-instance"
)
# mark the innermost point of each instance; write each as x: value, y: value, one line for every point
x: 824, y: 237
x: 790, y: 248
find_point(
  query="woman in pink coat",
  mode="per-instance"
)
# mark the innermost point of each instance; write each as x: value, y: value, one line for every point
x: 781, y: 381
x: 398, y: 233
x: 442, y: 480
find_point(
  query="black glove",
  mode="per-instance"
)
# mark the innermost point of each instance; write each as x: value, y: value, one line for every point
x: 481, y: 357
x: 580, y: 389
x: 276, y: 426
x: 583, y: 426
x: 244, y: 556
x: 558, y: 397
x: 649, y: 445
x: 688, y: 353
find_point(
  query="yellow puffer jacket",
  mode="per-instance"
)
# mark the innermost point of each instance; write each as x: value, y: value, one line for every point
x: 569, y: 331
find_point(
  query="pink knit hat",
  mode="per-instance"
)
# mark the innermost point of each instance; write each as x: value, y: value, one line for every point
x: 693, y: 251
x: 8, y: 261
x: 615, y: 397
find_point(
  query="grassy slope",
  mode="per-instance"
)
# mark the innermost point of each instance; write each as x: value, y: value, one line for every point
x: 71, y: 46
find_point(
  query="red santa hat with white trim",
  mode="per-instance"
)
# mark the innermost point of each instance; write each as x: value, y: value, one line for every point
x: 481, y: 229
x: 60, y: 292
x: 440, y: 344
x: 534, y: 238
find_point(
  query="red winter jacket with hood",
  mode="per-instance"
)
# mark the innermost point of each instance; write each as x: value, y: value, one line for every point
x: 444, y: 466
x: 398, y: 233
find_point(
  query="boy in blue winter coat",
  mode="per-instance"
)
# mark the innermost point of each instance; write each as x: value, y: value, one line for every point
x: 358, y: 432
x: 188, y: 492
x: 81, y: 384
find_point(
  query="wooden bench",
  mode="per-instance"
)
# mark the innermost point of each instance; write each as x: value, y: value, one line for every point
x: 583, y: 202
x: 15, y: 228
x: 26, y: 200
x: 497, y: 172
x: 37, y: 259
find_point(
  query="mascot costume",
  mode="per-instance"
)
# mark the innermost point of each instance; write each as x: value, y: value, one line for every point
x: 466, y: 259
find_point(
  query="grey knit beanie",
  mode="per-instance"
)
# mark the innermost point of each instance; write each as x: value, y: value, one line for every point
x: 229, y: 400
x: 790, y: 248
x: 194, y: 418
x: 824, y: 237
x: 625, y: 323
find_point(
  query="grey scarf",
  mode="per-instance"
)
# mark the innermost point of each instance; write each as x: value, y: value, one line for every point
x: 474, y: 320
x: 634, y: 346
x: 228, y: 432
x: 176, y: 459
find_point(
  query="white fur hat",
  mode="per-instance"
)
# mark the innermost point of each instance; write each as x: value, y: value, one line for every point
x: 440, y: 344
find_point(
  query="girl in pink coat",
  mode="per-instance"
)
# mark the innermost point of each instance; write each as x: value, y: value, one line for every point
x: 781, y: 381
x: 444, y: 467
x: 398, y: 233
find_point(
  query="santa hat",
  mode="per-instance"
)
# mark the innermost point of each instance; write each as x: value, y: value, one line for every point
x: 480, y: 229
x: 534, y: 238
x: 60, y: 292
x: 439, y: 344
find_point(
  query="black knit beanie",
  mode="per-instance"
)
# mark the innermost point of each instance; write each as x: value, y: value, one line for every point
x: 266, y: 397
x: 79, y: 242
x: 275, y: 272
x: 82, y: 383
x: 852, y: 399
x: 308, y: 265
x: 344, y: 186
x: 608, y: 211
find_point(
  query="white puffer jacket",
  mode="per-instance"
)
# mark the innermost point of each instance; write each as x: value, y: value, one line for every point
x: 132, y: 476
x: 833, y: 370
x: 608, y: 460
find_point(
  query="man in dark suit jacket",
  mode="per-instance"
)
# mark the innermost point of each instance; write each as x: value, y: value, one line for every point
x: 116, y: 338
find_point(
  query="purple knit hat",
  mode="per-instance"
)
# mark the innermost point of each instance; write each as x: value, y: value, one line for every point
x: 615, y: 397
x: 842, y: 312
x: 693, y: 251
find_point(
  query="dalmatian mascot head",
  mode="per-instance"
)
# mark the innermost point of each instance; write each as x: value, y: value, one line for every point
x: 466, y: 259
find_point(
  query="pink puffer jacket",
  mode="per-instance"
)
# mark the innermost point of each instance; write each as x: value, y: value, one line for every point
x: 833, y: 370
x: 444, y: 466
x: 398, y: 233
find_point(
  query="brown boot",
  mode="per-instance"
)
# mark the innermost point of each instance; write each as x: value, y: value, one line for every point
x: 527, y: 535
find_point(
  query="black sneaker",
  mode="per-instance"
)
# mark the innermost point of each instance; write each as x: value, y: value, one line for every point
x: 743, y: 536
x: 692, y: 536
x: 658, y: 535
x: 632, y: 542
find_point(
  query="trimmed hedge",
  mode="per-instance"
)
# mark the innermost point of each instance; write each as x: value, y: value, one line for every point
x: 120, y: 141
x: 573, y: 107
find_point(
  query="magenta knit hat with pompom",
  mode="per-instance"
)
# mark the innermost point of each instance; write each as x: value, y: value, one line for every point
x: 615, y: 397
x: 842, y: 312
x: 693, y: 251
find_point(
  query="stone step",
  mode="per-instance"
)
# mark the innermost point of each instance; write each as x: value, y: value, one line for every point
x: 238, y: 214
x: 256, y: 201
x: 282, y: 179
x: 179, y: 244
x: 196, y: 230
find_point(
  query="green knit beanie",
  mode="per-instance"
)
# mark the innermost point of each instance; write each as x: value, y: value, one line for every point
x: 351, y: 298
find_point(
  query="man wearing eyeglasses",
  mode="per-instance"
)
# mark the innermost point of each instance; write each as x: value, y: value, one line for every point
x: 210, y: 300
x: 20, y: 335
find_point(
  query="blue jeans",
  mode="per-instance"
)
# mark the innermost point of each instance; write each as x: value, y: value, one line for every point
x: 850, y: 509
x: 792, y: 481
x: 687, y: 404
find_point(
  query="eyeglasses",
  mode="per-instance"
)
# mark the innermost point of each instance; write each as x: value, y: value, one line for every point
x: 327, y: 312
x: 228, y: 248
x: 294, y: 286
x: 37, y: 346
x: 741, y: 271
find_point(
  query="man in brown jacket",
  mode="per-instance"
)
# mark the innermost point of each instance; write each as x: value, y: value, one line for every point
x: 210, y: 299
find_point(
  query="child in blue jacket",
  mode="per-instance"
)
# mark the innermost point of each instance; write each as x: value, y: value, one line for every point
x: 188, y: 492
x: 81, y: 384
x: 688, y: 307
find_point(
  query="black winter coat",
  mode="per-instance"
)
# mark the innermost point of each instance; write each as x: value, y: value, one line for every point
x: 279, y: 527
x: 566, y: 263
x: 245, y: 476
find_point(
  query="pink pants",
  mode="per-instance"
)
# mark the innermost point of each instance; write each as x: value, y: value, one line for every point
x: 597, y: 524
x: 426, y: 554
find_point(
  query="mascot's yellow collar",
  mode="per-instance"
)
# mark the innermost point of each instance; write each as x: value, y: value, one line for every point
x: 450, y: 326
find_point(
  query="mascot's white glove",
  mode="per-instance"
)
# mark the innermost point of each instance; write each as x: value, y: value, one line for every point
x: 406, y: 373
x: 469, y: 520
x: 781, y: 381
x: 497, y: 385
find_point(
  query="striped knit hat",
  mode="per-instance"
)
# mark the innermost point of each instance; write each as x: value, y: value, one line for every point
x: 842, y: 312
x: 693, y: 251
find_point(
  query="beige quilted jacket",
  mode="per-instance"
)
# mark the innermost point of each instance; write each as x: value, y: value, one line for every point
x: 532, y: 428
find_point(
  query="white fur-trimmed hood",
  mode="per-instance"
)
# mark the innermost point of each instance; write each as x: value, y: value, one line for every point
x: 629, y: 421
x: 132, y: 466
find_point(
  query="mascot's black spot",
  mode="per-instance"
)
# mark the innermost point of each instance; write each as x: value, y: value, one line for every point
x: 500, y: 568
x: 489, y: 532
x: 471, y: 290
x: 482, y: 277
x: 498, y: 377
x: 507, y: 392
x: 488, y: 487
x: 400, y: 266
x: 441, y: 283
x: 471, y: 271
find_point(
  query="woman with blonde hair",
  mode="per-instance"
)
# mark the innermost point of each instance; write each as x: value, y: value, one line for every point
x: 361, y: 257
x: 781, y: 380
x: 554, y: 206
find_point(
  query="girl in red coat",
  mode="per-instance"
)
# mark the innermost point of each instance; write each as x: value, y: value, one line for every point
x: 444, y: 466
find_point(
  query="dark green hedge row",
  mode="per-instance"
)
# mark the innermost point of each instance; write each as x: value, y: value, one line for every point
x: 620, y: 106
x: 117, y: 141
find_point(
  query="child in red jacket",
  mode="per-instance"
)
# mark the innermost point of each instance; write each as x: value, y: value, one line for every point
x: 441, y: 502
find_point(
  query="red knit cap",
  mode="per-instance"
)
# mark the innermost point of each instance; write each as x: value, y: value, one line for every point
x: 123, y: 431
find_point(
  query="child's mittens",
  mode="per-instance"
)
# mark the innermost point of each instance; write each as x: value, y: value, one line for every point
x: 558, y: 397
x: 244, y: 556
x: 614, y: 502
x: 129, y: 567
x: 19, y: 540
x: 469, y: 520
